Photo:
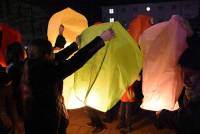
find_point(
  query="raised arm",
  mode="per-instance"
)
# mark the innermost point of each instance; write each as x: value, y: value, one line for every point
x: 66, y: 52
x: 68, y: 67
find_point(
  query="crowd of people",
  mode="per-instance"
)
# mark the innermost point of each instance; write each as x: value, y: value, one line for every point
x: 32, y: 101
x: 31, y: 86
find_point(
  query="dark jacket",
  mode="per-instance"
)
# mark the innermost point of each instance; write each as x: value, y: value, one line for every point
x: 60, y: 41
x: 185, y: 120
x: 61, y: 56
x: 42, y: 108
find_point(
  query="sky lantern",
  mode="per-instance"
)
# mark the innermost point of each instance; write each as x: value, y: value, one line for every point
x: 73, y: 22
x: 8, y: 36
x: 137, y: 26
x: 101, y: 82
x: 162, y: 45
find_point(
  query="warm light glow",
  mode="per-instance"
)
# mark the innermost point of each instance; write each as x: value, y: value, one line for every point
x: 71, y: 101
x: 67, y: 44
x: 138, y: 25
x: 101, y: 82
x: 162, y: 77
x: 156, y: 101
x: 74, y: 23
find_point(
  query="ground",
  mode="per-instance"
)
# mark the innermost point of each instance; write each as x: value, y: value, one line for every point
x: 142, y: 124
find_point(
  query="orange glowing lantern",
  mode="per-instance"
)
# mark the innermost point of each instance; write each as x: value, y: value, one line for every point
x: 162, y: 45
x: 138, y: 25
x: 9, y: 35
x: 74, y: 23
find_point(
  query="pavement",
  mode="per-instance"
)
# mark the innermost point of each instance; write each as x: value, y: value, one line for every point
x: 143, y: 123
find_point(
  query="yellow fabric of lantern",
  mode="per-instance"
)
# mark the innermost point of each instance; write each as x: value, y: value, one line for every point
x: 101, y: 82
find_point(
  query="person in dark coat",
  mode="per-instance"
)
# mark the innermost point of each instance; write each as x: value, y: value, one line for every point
x: 5, y: 120
x: 59, y: 57
x: 15, y: 61
x: 41, y: 79
x: 60, y: 40
x: 186, y: 119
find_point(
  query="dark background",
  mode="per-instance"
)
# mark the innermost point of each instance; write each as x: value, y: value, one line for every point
x: 31, y: 17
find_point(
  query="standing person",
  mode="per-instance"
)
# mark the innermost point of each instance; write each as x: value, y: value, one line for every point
x: 15, y: 61
x: 126, y: 108
x: 41, y: 78
x: 95, y: 120
x: 129, y: 105
x: 60, y: 56
x: 186, y: 119
x: 60, y: 40
x: 112, y: 114
x: 5, y: 120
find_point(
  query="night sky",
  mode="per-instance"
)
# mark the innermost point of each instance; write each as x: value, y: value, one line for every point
x: 90, y: 8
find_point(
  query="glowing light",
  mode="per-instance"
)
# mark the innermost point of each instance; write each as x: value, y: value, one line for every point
x: 67, y: 44
x: 96, y: 82
x: 112, y: 19
x: 148, y: 9
x: 137, y: 26
x: 111, y: 11
x: 162, y: 77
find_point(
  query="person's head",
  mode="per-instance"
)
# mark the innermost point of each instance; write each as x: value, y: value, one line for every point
x: 40, y: 49
x: 61, y: 29
x: 14, y: 53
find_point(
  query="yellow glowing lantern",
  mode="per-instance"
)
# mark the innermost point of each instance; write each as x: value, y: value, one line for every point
x: 101, y: 82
